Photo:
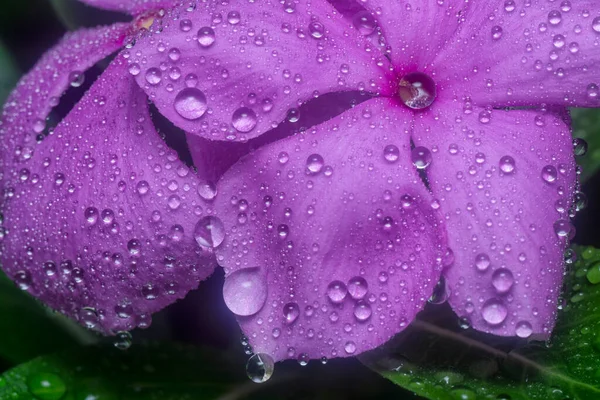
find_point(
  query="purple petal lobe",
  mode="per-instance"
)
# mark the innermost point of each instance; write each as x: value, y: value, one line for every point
x: 233, y: 71
x: 507, y: 225
x: 349, y: 251
x: 514, y: 54
x: 415, y: 31
x: 99, y: 220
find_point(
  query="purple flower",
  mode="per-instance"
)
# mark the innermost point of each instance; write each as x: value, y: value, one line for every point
x: 330, y: 238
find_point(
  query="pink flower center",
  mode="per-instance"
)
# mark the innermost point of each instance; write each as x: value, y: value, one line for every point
x: 416, y: 90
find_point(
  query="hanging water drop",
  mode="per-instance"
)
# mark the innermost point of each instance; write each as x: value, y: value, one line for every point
x: 260, y: 367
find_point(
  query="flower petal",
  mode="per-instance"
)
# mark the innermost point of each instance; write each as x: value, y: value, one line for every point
x: 99, y: 221
x: 233, y: 71
x: 331, y: 247
x: 27, y: 107
x: 504, y: 180
x: 133, y: 7
x: 415, y: 32
x: 516, y: 54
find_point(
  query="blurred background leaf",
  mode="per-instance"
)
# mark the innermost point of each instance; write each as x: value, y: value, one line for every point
x: 586, y: 125
x: 28, y: 329
x: 9, y: 72
x: 441, y: 361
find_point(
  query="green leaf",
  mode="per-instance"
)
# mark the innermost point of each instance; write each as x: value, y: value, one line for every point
x: 29, y: 329
x: 586, y: 125
x: 9, y: 73
x: 437, y: 359
x: 161, y: 372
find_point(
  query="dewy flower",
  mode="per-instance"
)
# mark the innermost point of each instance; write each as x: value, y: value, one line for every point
x: 330, y: 239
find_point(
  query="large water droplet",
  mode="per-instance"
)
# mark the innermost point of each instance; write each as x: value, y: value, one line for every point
x: 421, y: 157
x: 549, y: 174
x: 153, y: 76
x: 337, y: 291
x: 358, y: 287
x: 245, y: 291
x: 417, y: 90
x: 507, y: 164
x: 190, y: 103
x: 260, y: 367
x: 244, y: 119
x: 362, y: 311
x: 596, y: 24
x: 391, y: 153
x: 502, y: 280
x: 206, y: 37
x: 364, y: 22
x: 494, y: 312
x: 209, y: 232
x: 523, y: 329
x: 314, y: 163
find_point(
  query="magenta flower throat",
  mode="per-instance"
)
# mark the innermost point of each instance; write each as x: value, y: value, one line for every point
x: 349, y: 158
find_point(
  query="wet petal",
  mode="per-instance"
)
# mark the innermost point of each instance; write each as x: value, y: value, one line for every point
x: 513, y: 54
x: 133, y: 7
x: 232, y: 72
x: 332, y: 244
x: 99, y: 221
x: 26, y: 110
x: 504, y: 180
x: 414, y: 32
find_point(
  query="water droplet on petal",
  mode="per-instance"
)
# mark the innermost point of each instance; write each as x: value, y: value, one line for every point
x: 190, y: 103
x: 502, y: 280
x: 494, y: 312
x: 554, y: 17
x: 153, y: 76
x: 421, y: 157
x: 244, y: 119
x: 507, y: 164
x: 358, y: 287
x: 350, y: 347
x: 417, y: 90
x: 362, y: 311
x: 291, y: 311
x: 497, y: 32
x: 206, y: 37
x: 549, y: 174
x: 314, y: 163
x: 260, y: 367
x: 364, y: 22
x: 523, y: 329
x: 209, y: 232
x: 391, y: 153
x: 245, y: 291
x: 580, y: 147
x: 336, y: 291
x: 596, y: 24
